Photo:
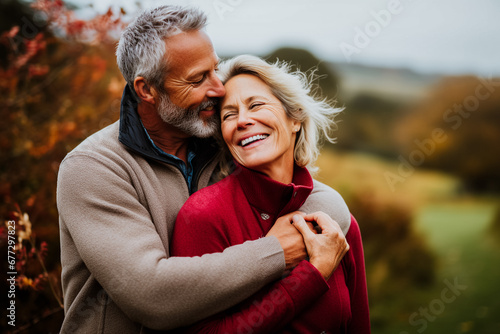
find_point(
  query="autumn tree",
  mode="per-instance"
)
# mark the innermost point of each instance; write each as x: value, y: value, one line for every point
x: 58, y: 83
x: 457, y: 130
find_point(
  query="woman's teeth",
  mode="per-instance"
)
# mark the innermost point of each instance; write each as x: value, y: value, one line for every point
x: 249, y: 140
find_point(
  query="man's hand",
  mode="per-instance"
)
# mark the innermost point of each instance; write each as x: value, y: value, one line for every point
x: 327, y: 249
x: 290, y: 239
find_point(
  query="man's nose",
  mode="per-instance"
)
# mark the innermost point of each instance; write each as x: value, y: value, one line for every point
x: 216, y: 88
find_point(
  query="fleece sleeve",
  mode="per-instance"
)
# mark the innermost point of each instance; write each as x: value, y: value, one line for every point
x: 111, y: 233
x: 324, y: 198
x: 356, y: 283
x: 270, y: 309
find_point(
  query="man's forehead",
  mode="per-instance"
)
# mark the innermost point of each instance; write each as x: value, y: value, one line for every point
x: 211, y: 62
x: 190, y: 52
x: 184, y: 39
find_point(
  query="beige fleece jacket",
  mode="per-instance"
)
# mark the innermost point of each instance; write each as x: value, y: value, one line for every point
x: 117, y: 211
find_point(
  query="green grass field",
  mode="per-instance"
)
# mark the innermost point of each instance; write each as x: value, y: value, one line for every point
x: 468, y: 254
x: 465, y: 297
x: 468, y: 257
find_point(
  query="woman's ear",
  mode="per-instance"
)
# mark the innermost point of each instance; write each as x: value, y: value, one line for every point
x: 296, y: 125
x: 145, y: 92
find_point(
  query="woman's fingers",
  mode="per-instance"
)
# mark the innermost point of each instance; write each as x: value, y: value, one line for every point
x: 301, y: 225
x: 324, y: 221
x: 326, y: 249
x: 314, y: 228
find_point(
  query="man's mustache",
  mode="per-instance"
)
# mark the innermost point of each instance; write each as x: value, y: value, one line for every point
x: 207, y: 104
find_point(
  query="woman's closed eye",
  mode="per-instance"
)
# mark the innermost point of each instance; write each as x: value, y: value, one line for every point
x: 256, y: 104
x: 228, y: 114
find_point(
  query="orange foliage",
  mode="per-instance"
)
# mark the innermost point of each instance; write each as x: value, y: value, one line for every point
x: 97, y: 30
x: 57, y: 133
x: 53, y: 93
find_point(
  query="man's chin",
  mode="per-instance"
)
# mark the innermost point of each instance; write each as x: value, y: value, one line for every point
x: 203, y: 129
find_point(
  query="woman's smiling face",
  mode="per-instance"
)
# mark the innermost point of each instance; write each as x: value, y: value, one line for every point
x: 255, y: 127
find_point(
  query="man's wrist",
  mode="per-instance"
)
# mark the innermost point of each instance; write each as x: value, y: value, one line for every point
x: 270, y: 251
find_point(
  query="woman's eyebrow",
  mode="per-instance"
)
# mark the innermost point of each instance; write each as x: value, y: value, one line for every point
x: 247, y: 101
x: 228, y: 106
x: 255, y: 97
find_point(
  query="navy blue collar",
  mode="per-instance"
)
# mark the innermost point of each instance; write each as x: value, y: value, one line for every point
x: 133, y: 135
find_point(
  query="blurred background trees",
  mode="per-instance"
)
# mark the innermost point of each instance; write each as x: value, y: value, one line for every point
x: 467, y: 109
x: 305, y: 61
x: 59, y: 83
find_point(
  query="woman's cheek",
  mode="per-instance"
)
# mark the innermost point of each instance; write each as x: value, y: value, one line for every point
x: 226, y: 135
x: 237, y: 156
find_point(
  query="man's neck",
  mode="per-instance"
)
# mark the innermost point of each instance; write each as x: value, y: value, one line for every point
x: 168, y: 138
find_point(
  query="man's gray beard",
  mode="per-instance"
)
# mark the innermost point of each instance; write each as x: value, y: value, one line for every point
x: 188, y: 120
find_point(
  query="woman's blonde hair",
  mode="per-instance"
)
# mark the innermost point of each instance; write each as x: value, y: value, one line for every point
x: 295, y: 91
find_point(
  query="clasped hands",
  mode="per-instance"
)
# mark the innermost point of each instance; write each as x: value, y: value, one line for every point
x: 315, y: 235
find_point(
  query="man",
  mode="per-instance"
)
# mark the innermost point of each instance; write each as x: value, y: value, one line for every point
x: 120, y: 190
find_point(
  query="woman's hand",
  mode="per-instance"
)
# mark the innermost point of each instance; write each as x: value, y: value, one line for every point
x: 325, y: 249
x: 290, y: 240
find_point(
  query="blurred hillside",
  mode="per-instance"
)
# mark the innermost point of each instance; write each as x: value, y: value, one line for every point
x: 393, y: 84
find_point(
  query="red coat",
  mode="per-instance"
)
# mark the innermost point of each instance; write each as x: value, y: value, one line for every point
x: 242, y: 207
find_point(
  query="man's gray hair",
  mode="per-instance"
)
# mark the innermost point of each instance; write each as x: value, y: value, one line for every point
x: 141, y: 50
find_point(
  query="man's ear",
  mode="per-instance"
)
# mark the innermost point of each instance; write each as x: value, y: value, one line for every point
x: 145, y: 92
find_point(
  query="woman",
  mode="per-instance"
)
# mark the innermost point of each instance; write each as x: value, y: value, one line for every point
x: 271, y: 127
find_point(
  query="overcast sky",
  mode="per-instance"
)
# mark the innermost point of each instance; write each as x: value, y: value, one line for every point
x: 437, y: 36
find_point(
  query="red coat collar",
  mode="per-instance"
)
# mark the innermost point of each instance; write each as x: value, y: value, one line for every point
x: 273, y: 197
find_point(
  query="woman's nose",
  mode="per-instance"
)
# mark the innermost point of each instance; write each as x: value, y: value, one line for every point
x: 244, y: 120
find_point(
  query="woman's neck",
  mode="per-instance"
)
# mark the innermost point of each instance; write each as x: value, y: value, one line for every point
x: 280, y: 170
